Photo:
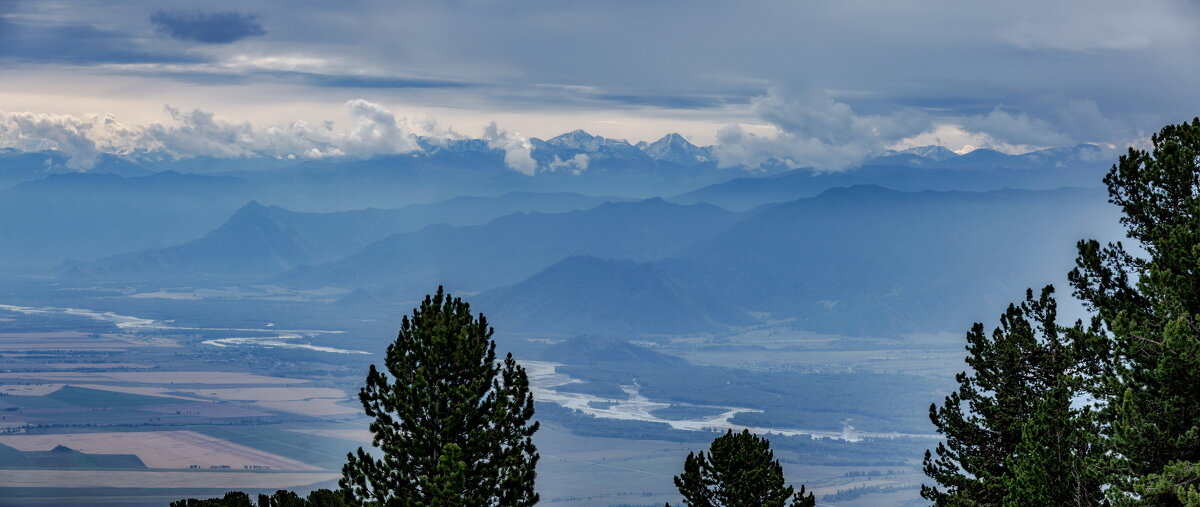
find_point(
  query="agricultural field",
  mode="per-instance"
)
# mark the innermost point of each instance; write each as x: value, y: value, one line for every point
x: 160, y: 449
x: 153, y: 411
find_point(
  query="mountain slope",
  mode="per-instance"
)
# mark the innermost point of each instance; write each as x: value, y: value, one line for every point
x: 260, y: 241
x: 856, y: 261
x: 675, y: 149
x: 586, y: 294
x: 89, y: 216
x: 516, y: 246
x: 930, y: 168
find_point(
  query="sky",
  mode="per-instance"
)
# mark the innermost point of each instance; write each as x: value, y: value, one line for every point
x: 820, y: 84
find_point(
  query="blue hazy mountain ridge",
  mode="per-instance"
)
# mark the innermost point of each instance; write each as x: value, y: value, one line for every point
x: 923, y: 168
x: 259, y: 241
x: 18, y: 166
x: 861, y: 260
x: 88, y: 216
x: 94, y: 215
x: 469, y: 167
x: 511, y: 248
x: 587, y: 294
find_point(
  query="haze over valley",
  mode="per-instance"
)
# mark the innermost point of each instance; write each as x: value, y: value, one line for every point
x: 824, y: 309
x: 680, y: 219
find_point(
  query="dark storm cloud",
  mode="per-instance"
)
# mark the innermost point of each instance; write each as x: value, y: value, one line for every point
x: 208, y: 28
x: 33, y: 42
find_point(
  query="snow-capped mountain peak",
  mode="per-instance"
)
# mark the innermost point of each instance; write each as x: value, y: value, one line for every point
x: 932, y: 152
x: 674, y: 148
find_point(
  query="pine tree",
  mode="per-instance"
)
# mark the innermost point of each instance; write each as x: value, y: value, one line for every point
x: 1150, y: 306
x: 1179, y: 480
x: 1055, y: 461
x: 1012, y: 436
x: 451, y: 424
x: 739, y: 471
x: 281, y: 498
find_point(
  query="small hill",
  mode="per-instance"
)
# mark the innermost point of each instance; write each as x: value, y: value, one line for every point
x: 592, y: 349
x: 65, y: 457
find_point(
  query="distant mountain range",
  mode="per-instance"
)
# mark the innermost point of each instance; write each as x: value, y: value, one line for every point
x: 671, y: 149
x: 859, y: 260
x: 511, y: 248
x: 925, y: 168
x: 94, y: 215
x: 576, y: 162
x: 50, y: 214
x: 259, y: 241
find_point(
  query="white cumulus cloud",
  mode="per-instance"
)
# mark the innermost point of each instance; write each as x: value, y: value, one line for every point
x: 814, y: 130
x: 518, y: 152
x: 372, y: 130
x: 38, y: 132
x: 576, y: 165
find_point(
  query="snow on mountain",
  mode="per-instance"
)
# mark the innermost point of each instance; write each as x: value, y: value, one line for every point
x: 674, y: 148
x: 938, y: 153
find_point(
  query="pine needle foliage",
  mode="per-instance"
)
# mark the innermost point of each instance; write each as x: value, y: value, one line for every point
x: 1150, y: 306
x: 1012, y: 436
x: 451, y: 423
x: 740, y: 470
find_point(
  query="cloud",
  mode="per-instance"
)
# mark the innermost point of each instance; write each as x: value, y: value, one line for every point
x: 576, y: 165
x: 1015, y: 129
x: 518, y: 152
x: 75, y: 43
x: 477, y: 60
x: 814, y: 130
x: 1069, y: 122
x: 38, y: 132
x: 1122, y: 26
x: 1083, y: 121
x: 372, y: 130
x: 376, y: 130
x: 954, y: 137
x: 208, y: 28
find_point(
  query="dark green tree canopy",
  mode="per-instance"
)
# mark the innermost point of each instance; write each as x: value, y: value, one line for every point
x: 740, y: 470
x: 281, y: 498
x: 451, y: 424
x: 1150, y: 306
x: 1012, y: 436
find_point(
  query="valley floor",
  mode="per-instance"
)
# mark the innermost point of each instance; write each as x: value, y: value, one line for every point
x: 101, y: 408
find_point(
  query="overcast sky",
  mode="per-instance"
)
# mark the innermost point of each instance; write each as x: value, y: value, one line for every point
x: 821, y: 83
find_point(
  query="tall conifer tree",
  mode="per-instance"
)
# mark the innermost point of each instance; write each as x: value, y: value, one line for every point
x: 1012, y: 436
x: 1150, y: 304
x: 452, y: 425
